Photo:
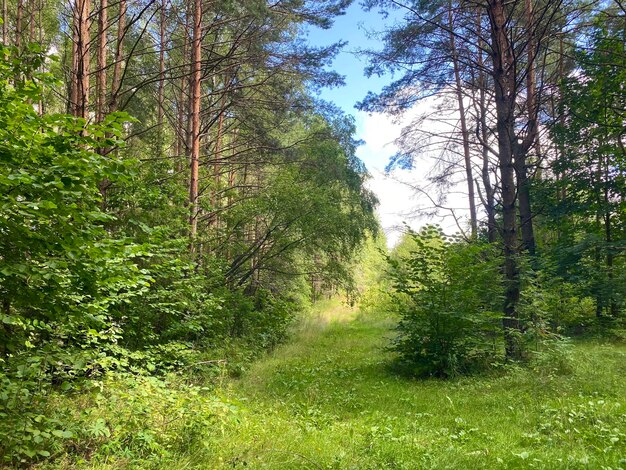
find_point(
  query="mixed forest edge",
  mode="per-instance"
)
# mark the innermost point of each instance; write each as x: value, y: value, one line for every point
x: 176, y: 201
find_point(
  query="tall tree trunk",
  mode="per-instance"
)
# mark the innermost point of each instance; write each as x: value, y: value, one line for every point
x: 464, y: 131
x: 217, y: 166
x: 608, y: 237
x: 490, y: 203
x: 195, y: 119
x: 182, y: 126
x: 504, y: 81
x: 613, y: 308
x: 32, y: 23
x: 531, y: 86
x: 101, y: 74
x: 5, y: 18
x: 79, y: 95
x: 231, y: 183
x: 161, y: 92
x: 116, y: 82
x: 35, y: 8
x: 18, y: 25
x: 489, y: 198
x: 161, y: 83
x: 521, y: 151
x: 598, y: 264
x: 525, y: 208
x: 559, y: 176
x: 41, y: 104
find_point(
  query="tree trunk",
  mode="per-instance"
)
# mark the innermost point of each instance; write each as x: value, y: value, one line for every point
x: 79, y: 95
x: 217, y: 167
x: 598, y: 264
x: 504, y: 81
x: 521, y: 151
x: 608, y: 236
x: 101, y: 73
x: 116, y: 82
x: 489, y: 199
x: 464, y: 131
x: 563, y: 193
x: 161, y: 92
x: 18, y: 25
x: 525, y: 208
x: 490, y: 203
x: 195, y: 119
x: 182, y: 131
x: 41, y: 103
x: 32, y: 23
x: 5, y: 18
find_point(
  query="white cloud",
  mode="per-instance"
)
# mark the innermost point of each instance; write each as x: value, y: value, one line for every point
x: 400, y: 203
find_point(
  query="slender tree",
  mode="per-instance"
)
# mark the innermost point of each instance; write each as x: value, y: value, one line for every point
x: 196, y: 84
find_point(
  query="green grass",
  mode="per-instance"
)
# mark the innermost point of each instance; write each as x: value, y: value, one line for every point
x: 328, y: 399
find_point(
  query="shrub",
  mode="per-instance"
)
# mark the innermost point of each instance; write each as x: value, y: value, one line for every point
x: 448, y: 293
x: 122, y: 416
x: 61, y: 273
x: 550, y: 305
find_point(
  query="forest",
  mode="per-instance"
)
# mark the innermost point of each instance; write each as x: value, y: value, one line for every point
x: 194, y: 271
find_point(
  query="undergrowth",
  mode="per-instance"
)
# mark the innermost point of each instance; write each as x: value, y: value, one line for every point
x: 329, y: 399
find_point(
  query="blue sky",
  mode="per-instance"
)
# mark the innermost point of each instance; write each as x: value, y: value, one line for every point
x: 376, y: 130
x: 351, y: 27
x: 398, y: 201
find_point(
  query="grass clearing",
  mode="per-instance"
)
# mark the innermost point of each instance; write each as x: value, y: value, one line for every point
x: 329, y: 400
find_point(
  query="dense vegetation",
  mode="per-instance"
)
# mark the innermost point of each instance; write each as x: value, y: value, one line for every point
x: 336, y: 403
x: 173, y: 196
x: 528, y: 122
x: 175, y: 223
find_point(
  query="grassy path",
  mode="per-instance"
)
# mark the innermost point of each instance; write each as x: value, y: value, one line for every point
x: 328, y: 400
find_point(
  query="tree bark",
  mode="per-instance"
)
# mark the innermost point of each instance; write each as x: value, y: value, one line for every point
x: 116, y: 82
x: 195, y: 119
x: 504, y: 81
x: 521, y: 153
x: 217, y: 167
x: 464, y: 131
x: 161, y: 92
x: 5, y: 18
x: 182, y: 131
x: 79, y: 96
x: 101, y: 74
x: 32, y: 23
x: 489, y: 198
x: 18, y: 25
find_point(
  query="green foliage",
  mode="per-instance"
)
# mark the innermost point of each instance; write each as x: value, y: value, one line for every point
x: 97, y: 275
x: 552, y: 306
x: 448, y: 296
x: 119, y: 418
x: 312, y: 214
x: 372, y: 280
x: 586, y: 204
x: 61, y: 274
x: 329, y: 400
x: 142, y: 418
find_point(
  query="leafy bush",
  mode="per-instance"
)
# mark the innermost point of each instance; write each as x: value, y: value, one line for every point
x: 448, y: 297
x: 550, y: 305
x: 61, y: 273
x: 122, y: 416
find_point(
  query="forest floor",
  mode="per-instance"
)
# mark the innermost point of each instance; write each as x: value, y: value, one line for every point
x: 329, y: 399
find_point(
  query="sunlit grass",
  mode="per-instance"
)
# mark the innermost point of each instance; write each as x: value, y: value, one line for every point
x: 329, y: 399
